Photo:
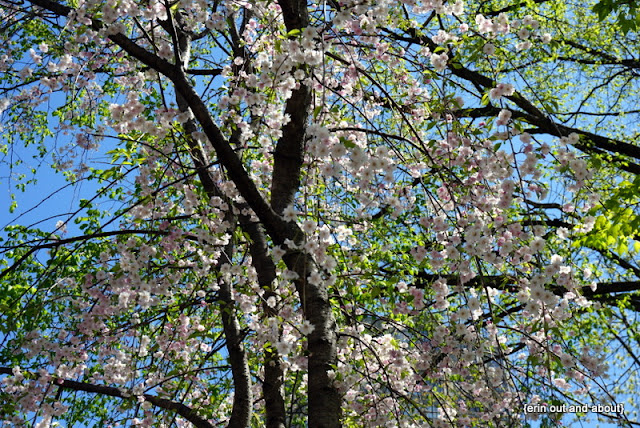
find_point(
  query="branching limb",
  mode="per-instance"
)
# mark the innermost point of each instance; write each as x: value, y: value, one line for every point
x: 181, y: 409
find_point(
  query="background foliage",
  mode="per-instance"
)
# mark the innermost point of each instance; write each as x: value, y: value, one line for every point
x: 290, y: 213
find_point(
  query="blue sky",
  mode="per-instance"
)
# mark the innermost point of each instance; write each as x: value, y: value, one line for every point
x: 50, y: 199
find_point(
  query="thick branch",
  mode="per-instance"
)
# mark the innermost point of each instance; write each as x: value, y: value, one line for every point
x: 274, y: 225
x: 294, y: 13
x: 288, y: 155
x: 242, y: 397
x: 590, y: 142
x: 273, y: 369
x: 508, y: 283
x: 605, y: 57
x: 204, y: 72
x: 325, y: 402
x: 512, y: 7
x: 185, y: 411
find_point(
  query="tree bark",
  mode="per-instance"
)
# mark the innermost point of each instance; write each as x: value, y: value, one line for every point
x: 324, y: 400
x: 273, y: 371
x: 242, y: 397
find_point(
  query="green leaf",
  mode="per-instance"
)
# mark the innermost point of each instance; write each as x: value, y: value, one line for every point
x: 316, y: 111
x: 485, y: 99
x: 347, y: 143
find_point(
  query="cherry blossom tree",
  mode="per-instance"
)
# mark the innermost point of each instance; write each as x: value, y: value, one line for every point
x: 337, y: 213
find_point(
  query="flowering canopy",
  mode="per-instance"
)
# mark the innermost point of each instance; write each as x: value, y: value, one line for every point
x: 353, y: 213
